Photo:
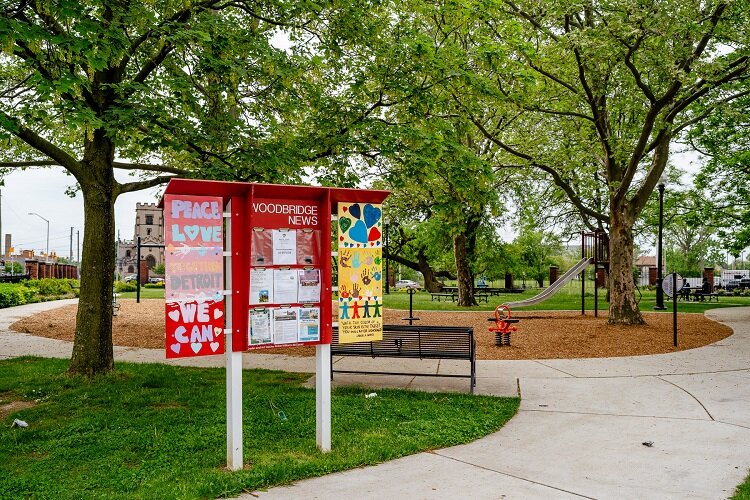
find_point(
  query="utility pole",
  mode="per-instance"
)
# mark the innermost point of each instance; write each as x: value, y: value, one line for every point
x: 71, y: 244
x: 78, y: 252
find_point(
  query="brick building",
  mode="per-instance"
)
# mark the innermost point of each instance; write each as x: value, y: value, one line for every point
x: 149, y: 225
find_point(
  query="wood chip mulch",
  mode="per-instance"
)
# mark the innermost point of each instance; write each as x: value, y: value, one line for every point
x: 540, y: 335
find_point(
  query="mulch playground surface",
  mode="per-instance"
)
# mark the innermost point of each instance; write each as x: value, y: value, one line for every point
x: 540, y: 335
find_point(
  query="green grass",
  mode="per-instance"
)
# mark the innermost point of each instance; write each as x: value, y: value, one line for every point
x: 158, y: 431
x: 743, y: 491
x: 146, y: 293
x: 569, y: 298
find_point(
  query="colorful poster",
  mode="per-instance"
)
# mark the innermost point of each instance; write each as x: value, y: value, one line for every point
x: 194, y: 282
x: 360, y: 272
x: 309, y: 285
x: 309, y: 324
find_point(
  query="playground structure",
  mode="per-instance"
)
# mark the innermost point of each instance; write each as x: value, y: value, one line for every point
x: 594, y: 250
x: 504, y: 325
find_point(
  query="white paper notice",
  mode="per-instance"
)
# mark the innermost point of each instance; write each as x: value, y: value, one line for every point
x: 285, y: 325
x: 260, y: 327
x: 285, y: 286
x: 284, y: 247
x: 309, y: 324
x: 261, y: 286
x: 309, y: 285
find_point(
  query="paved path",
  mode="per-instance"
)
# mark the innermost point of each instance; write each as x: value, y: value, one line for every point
x: 578, y: 434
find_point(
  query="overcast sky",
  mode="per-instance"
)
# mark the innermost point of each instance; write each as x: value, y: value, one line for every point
x: 43, y: 191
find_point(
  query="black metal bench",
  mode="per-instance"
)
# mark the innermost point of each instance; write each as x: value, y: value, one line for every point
x: 700, y: 296
x: 439, y: 296
x: 417, y: 342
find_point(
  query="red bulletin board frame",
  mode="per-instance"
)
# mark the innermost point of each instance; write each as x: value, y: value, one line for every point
x: 242, y: 196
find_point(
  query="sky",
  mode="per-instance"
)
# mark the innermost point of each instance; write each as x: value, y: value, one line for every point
x: 43, y: 191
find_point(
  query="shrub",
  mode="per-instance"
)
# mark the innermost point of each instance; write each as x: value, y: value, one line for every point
x: 154, y: 285
x: 16, y: 294
x: 51, y: 286
x: 121, y: 286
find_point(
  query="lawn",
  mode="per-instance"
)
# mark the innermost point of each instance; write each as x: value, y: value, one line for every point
x: 158, y: 431
x: 569, y: 298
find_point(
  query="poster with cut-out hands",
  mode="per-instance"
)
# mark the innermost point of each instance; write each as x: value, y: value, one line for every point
x: 194, y: 281
x: 360, y: 272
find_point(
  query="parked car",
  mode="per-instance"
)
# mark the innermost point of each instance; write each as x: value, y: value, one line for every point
x: 156, y: 280
x: 129, y: 278
x: 744, y: 283
x: 731, y: 285
x: 406, y: 284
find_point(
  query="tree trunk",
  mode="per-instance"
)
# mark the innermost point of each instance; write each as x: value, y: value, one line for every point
x: 431, y: 283
x: 623, y: 308
x: 92, y: 346
x: 463, y: 272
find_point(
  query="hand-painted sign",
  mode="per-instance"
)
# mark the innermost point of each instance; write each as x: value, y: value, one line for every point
x: 360, y: 272
x: 194, y: 281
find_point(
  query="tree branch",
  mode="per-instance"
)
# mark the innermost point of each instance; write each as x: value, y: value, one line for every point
x: 42, y: 145
x: 137, y: 186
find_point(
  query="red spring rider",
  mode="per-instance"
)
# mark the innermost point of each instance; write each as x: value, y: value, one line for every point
x: 504, y: 325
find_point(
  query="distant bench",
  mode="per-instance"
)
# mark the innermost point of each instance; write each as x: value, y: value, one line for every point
x: 454, y: 295
x: 417, y: 342
x: 701, y: 296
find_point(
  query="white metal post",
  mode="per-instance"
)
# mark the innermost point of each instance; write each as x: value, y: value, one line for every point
x: 323, y: 396
x: 233, y: 364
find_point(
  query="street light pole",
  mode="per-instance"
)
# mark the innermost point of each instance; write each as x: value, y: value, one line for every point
x: 659, y: 278
x: 46, y: 255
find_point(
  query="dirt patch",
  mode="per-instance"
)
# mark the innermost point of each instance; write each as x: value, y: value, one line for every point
x: 14, y: 406
x: 540, y: 335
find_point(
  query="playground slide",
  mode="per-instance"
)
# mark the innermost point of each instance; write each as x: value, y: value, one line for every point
x: 554, y: 287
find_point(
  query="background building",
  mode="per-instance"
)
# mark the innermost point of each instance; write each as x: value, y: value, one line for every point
x: 149, y: 225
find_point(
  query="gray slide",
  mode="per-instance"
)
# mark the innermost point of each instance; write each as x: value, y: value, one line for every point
x: 554, y: 287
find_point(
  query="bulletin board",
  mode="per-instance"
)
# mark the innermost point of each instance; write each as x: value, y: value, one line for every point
x: 280, y: 270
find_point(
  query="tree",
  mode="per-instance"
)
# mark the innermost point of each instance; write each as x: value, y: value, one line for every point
x: 171, y: 88
x: 593, y: 95
x: 536, y: 251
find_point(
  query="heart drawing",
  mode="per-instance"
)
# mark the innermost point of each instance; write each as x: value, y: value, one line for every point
x: 196, y: 346
x: 345, y: 223
x: 214, y: 346
x: 372, y: 215
x: 355, y: 211
x: 174, y: 315
x: 358, y: 233
x: 175, y: 348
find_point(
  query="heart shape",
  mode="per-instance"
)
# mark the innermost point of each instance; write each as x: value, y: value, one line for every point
x: 358, y: 233
x: 174, y: 315
x: 191, y: 231
x: 344, y: 208
x: 374, y: 235
x: 372, y: 215
x: 214, y: 346
x: 175, y: 348
x: 196, y: 346
x: 218, y: 313
x: 345, y: 223
x: 355, y: 211
x: 217, y: 330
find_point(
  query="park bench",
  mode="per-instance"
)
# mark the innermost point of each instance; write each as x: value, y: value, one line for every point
x: 706, y: 296
x: 416, y: 342
x: 440, y: 296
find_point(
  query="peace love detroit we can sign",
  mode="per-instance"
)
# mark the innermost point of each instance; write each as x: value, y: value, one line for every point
x: 194, y: 265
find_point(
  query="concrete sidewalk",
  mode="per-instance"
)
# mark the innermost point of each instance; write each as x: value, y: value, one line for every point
x: 579, y: 432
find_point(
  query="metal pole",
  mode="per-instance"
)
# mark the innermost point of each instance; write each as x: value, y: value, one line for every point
x: 583, y: 275
x: 387, y: 275
x: 2, y: 237
x: 71, y: 244
x: 674, y: 308
x: 138, y: 271
x: 596, y: 291
x: 78, y: 252
x: 659, y: 258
